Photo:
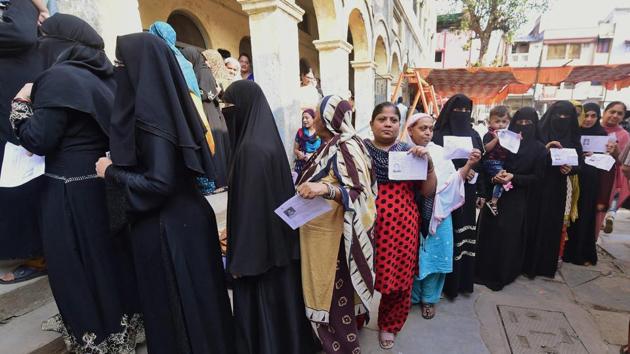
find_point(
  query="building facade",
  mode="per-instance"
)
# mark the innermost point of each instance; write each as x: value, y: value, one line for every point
x: 357, y: 45
x: 606, y: 43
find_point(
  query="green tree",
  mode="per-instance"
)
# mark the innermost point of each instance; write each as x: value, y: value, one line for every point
x: 482, y: 17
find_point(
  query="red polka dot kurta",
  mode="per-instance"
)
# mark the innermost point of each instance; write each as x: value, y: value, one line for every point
x: 396, y: 234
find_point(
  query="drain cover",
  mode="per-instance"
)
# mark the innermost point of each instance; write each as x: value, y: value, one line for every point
x: 534, y: 331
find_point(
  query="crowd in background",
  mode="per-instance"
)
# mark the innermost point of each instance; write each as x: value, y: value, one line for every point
x: 132, y: 147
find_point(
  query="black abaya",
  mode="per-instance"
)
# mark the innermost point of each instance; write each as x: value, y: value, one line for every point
x: 262, y: 250
x: 450, y: 122
x: 502, y: 239
x: 210, y: 99
x: 543, y: 247
x: 158, y: 147
x: 581, y: 245
x: 88, y: 268
x: 20, y: 237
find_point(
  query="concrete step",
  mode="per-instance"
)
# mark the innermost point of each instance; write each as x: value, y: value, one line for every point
x: 21, y: 298
x: 23, y: 334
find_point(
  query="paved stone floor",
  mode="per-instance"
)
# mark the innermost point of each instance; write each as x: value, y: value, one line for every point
x: 581, y: 310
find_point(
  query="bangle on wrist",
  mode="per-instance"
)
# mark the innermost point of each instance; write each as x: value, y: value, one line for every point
x: 332, y: 191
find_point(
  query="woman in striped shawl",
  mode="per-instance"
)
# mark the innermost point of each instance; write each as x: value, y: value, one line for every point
x: 337, y: 247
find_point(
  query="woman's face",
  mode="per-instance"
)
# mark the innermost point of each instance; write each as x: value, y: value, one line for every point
x: 318, y: 124
x: 421, y: 133
x: 307, y: 120
x: 613, y: 116
x: 244, y: 61
x: 386, y: 126
x: 232, y: 68
x: 590, y: 118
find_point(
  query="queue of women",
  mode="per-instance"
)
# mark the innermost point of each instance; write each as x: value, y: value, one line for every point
x: 155, y: 269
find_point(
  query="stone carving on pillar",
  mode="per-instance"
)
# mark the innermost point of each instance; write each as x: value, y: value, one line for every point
x: 253, y: 7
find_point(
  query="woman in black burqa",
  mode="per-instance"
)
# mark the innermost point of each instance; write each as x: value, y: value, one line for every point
x: 209, y: 97
x: 263, y: 252
x: 558, y: 128
x: 89, y: 269
x: 20, y: 237
x: 580, y: 247
x: 455, y: 120
x: 158, y: 147
x: 501, y: 239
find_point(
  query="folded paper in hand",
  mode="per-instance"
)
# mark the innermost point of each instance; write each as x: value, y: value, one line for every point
x: 297, y: 211
x: 18, y: 167
x: 509, y: 140
x: 601, y: 161
x: 594, y: 143
x: 561, y: 157
x: 457, y: 147
x: 404, y: 166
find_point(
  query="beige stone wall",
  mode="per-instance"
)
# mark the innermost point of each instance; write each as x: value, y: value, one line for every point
x: 224, y: 21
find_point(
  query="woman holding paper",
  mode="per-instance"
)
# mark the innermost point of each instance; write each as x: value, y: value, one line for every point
x: 436, y: 226
x: 558, y: 129
x: 580, y: 247
x: 263, y: 253
x: 396, y: 227
x: 615, y: 187
x: 455, y: 120
x: 66, y: 118
x: 336, y: 247
x: 502, y: 238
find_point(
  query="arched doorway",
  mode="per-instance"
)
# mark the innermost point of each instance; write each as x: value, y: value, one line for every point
x: 188, y: 30
x: 245, y: 46
x: 361, y: 70
x: 382, y: 78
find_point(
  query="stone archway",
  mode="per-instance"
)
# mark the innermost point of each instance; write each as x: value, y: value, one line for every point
x: 362, y: 66
x: 189, y: 29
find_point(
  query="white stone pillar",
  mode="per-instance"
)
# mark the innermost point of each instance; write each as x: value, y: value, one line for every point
x: 118, y: 17
x: 333, y: 65
x: 109, y: 18
x: 275, y: 52
x: 364, y: 94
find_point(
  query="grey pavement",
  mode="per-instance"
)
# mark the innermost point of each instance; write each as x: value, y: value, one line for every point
x: 581, y: 310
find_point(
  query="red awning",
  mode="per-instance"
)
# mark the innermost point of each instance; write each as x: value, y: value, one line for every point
x: 486, y: 85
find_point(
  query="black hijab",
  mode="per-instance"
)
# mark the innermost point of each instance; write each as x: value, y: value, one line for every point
x: 531, y: 149
x: 205, y: 79
x: 454, y: 123
x: 19, y: 62
x: 152, y: 95
x: 597, y: 128
x: 564, y: 130
x: 79, y: 77
x: 18, y: 28
x: 260, y: 181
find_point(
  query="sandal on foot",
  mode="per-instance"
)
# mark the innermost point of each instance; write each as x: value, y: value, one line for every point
x: 23, y: 273
x: 386, y: 340
x: 428, y: 311
x: 493, y: 208
x: 608, y: 225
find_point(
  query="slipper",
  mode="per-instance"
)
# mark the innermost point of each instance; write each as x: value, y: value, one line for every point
x: 608, y: 225
x: 386, y: 340
x: 493, y: 208
x: 428, y: 311
x: 23, y: 273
